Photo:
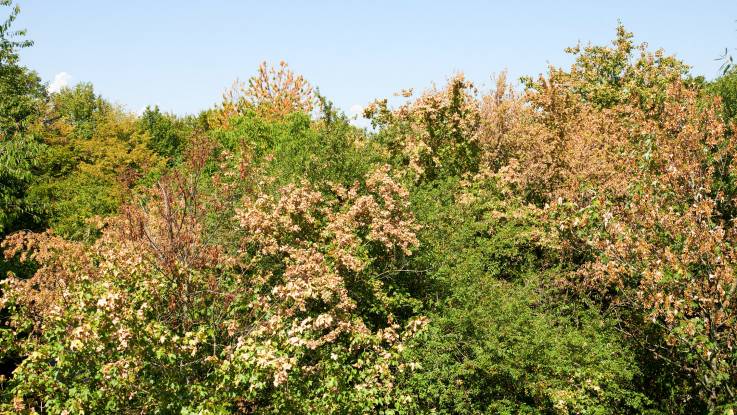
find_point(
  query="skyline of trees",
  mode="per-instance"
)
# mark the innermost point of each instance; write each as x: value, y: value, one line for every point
x: 564, y: 248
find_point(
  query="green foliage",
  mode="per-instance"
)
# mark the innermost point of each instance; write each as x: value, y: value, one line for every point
x: 607, y: 76
x: 567, y: 250
x: 20, y: 87
x: 645, y: 199
x: 17, y: 158
x: 154, y: 318
x: 76, y: 199
x: 22, y: 95
x: 725, y: 87
x: 295, y: 148
x: 499, y: 351
x: 502, y: 339
x: 93, y: 153
x: 434, y: 135
x: 167, y: 135
x: 80, y: 108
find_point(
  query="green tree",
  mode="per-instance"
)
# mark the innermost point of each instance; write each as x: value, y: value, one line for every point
x: 20, y: 87
x: 502, y: 338
x: 725, y: 87
x: 164, y: 137
x: 22, y: 96
x: 95, y: 152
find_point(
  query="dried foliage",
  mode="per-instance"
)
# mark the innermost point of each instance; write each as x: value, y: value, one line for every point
x: 152, y: 299
x: 565, y: 248
x: 637, y: 171
x: 433, y: 135
x: 633, y: 166
x: 273, y: 93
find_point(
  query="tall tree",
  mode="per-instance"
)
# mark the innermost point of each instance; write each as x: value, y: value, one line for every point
x: 22, y: 96
x: 21, y: 88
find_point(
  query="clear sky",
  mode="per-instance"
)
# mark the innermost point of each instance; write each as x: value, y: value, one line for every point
x: 182, y: 54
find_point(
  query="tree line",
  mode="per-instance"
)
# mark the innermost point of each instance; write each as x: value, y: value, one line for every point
x: 563, y: 247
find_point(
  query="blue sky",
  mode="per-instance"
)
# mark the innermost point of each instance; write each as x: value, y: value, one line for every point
x: 182, y: 54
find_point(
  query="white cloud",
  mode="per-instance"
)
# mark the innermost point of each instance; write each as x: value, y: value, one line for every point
x: 60, y: 81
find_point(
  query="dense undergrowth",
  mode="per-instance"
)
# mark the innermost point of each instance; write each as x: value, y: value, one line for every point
x: 563, y: 248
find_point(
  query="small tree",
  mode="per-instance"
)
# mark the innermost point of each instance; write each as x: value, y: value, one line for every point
x: 272, y: 93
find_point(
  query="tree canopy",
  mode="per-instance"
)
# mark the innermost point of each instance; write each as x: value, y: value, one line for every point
x: 567, y: 247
